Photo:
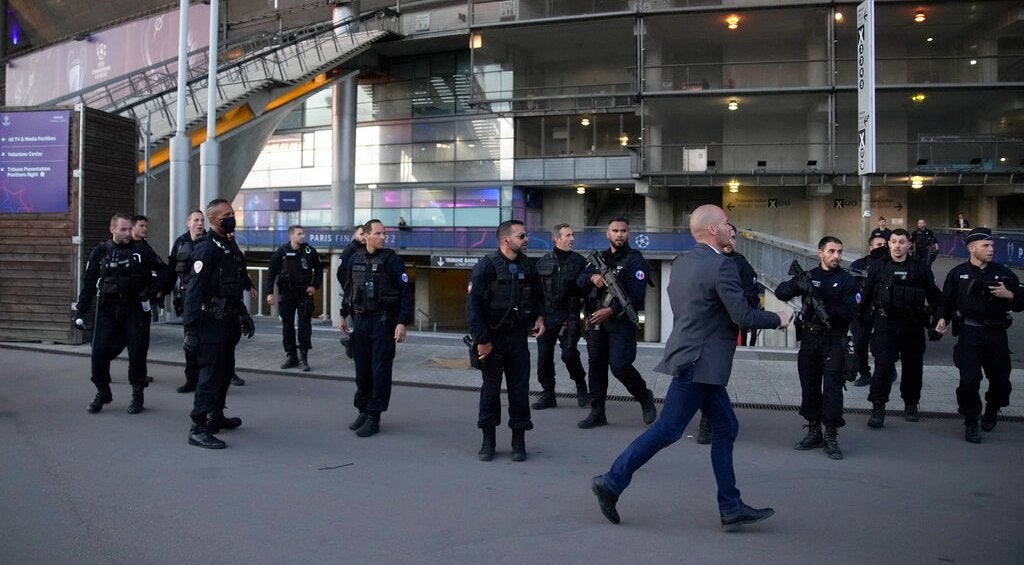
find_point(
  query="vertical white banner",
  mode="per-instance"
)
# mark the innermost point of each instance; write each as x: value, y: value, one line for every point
x: 866, y: 87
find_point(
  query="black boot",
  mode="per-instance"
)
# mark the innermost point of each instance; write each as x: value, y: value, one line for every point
x: 704, y: 435
x: 304, y: 360
x: 911, y: 413
x: 813, y: 439
x: 358, y: 422
x: 290, y: 361
x: 989, y: 418
x: 189, y: 386
x: 202, y: 437
x: 971, y: 433
x: 370, y: 426
x: 594, y: 419
x: 487, y: 447
x: 137, y: 400
x: 519, y: 445
x: 650, y: 412
x: 546, y: 400
x: 582, y: 394
x: 216, y: 422
x: 877, y: 419
x: 863, y: 380
x: 103, y: 396
x: 237, y: 381
x: 832, y: 443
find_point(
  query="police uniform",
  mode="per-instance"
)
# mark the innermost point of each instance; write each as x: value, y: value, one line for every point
x: 861, y: 326
x: 215, y: 319
x: 295, y: 270
x: 613, y: 343
x: 981, y: 323
x: 561, y: 311
x: 748, y: 281
x: 924, y: 242
x: 822, y: 350
x: 883, y: 233
x: 504, y: 300
x: 121, y: 275
x: 378, y: 297
x: 898, y: 292
x: 180, y: 264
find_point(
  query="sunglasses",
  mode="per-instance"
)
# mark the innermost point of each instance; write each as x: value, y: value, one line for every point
x: 523, y: 235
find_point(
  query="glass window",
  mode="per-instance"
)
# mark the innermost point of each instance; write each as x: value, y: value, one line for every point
x: 391, y: 198
x: 476, y: 197
x: 433, y: 217
x: 432, y: 198
x: 477, y: 217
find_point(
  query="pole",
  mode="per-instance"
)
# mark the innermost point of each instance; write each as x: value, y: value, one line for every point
x: 209, y: 184
x: 181, y: 145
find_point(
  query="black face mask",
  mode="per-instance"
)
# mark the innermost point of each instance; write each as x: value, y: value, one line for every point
x: 228, y: 224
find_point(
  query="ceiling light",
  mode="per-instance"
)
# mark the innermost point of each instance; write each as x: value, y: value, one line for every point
x: 734, y: 186
x: 584, y: 122
x: 371, y: 186
x: 839, y: 16
x: 623, y: 140
x: 916, y: 182
x: 733, y: 21
x: 1002, y: 159
x: 476, y: 41
x: 974, y: 61
x: 581, y: 189
x: 919, y: 97
x: 930, y: 39
x: 617, y: 189
x: 919, y: 17
x: 733, y: 105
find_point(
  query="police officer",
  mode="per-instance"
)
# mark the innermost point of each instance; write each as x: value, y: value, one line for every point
x: 878, y: 249
x: 611, y: 335
x: 120, y: 273
x: 925, y: 244
x: 882, y: 229
x: 140, y: 230
x: 357, y: 242
x: 180, y: 264
x: 983, y: 293
x: 503, y: 304
x: 379, y: 299
x: 215, y: 319
x: 296, y: 268
x: 830, y: 298
x: 897, y: 290
x: 562, y: 303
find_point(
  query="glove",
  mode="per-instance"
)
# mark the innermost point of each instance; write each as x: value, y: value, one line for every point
x: 191, y: 342
x: 248, y: 326
x: 803, y: 284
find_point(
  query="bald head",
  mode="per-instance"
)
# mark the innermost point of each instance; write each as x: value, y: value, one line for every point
x: 710, y: 225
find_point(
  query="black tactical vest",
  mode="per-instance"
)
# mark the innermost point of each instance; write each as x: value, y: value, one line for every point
x: 121, y: 273
x: 559, y: 280
x: 509, y: 294
x: 183, y: 265
x: 900, y: 291
x: 296, y: 270
x: 370, y: 286
x: 229, y: 277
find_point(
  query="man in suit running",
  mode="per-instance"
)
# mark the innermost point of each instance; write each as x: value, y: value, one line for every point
x: 708, y: 308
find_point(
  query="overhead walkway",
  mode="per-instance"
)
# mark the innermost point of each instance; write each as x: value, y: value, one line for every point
x: 286, y: 64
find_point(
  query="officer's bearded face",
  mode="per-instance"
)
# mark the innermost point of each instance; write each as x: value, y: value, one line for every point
x: 830, y: 256
x: 121, y: 231
x: 618, y: 234
x: 518, y: 240
x: 297, y: 238
x: 982, y: 251
x: 565, y: 240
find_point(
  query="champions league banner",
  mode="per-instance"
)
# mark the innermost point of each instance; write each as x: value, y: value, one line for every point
x: 52, y: 73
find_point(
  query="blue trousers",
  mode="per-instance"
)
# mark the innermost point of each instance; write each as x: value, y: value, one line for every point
x: 682, y: 401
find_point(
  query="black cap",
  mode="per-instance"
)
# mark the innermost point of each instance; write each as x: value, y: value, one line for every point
x: 979, y: 234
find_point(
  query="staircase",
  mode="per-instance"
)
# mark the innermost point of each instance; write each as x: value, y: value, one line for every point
x: 290, y: 58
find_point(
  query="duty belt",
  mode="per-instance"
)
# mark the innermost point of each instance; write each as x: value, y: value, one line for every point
x: 985, y: 323
x: 219, y: 309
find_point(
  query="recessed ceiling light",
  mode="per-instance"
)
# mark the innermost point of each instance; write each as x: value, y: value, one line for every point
x: 919, y: 17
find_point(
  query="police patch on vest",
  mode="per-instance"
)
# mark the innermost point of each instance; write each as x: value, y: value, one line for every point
x: 469, y: 288
x: 405, y: 279
x: 197, y: 266
x: 640, y: 275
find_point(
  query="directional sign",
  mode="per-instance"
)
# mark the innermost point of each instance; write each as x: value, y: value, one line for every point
x: 866, y: 87
x: 34, y: 161
x: 454, y: 261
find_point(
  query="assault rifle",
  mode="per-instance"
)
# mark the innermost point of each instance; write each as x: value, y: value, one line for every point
x: 811, y: 294
x: 611, y: 282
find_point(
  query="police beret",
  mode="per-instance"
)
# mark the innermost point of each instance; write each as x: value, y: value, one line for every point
x: 979, y: 234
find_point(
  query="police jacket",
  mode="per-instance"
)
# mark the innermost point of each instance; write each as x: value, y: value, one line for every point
x: 178, y: 261
x: 839, y: 293
x: 119, y: 273
x: 377, y: 284
x: 502, y: 294
x: 748, y: 279
x: 213, y: 298
x: 923, y: 240
x: 343, y: 260
x: 879, y: 232
x: 295, y: 270
x: 899, y: 290
x: 632, y: 271
x: 563, y: 299
x: 967, y: 289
